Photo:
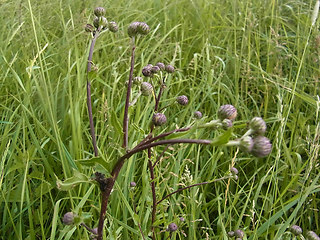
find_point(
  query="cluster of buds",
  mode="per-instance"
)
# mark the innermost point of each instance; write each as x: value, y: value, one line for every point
x: 150, y: 70
x: 234, y: 172
x: 172, y: 227
x: 136, y: 28
x: 100, y: 22
x: 238, y: 234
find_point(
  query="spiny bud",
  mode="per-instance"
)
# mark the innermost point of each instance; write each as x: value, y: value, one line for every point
x: 239, y: 233
x: 159, y: 119
x: 169, y: 69
x: 231, y: 234
x: 99, y: 11
x: 146, y: 71
x: 137, y: 80
x: 146, y: 89
x: 113, y: 27
x: 261, y: 146
x: 143, y: 28
x: 296, y: 230
x: 138, y: 28
x: 68, y: 218
x: 227, y: 111
x: 182, y: 100
x: 197, y: 114
x: 89, y: 28
x: 172, y: 227
x: 155, y: 69
x: 226, y: 124
x: 312, y: 236
x: 100, y: 22
x: 258, y: 125
x: 246, y: 144
x: 133, y: 184
x: 161, y: 66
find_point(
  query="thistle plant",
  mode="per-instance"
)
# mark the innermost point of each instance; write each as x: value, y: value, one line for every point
x: 154, y: 83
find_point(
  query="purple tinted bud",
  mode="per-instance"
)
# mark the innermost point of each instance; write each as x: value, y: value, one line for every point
x: 146, y: 71
x: 159, y: 119
x: 226, y: 124
x: 227, y: 111
x: 172, y: 227
x: 312, y: 236
x: 68, y: 218
x: 113, y: 27
x: 197, y: 114
x: 182, y: 100
x: 133, y: 29
x: 181, y: 219
x: 261, y: 146
x: 133, y: 184
x: 137, y: 80
x: 258, y: 125
x: 231, y: 234
x: 234, y: 171
x: 169, y: 69
x: 89, y: 28
x: 161, y: 66
x: 146, y: 89
x: 246, y: 144
x: 143, y: 28
x: 296, y: 230
x: 99, y: 11
x: 155, y: 69
x: 239, y: 233
x: 95, y: 231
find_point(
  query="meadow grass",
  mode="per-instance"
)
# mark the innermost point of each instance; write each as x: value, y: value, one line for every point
x: 260, y: 56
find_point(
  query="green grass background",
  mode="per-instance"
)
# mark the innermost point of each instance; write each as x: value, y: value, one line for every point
x: 261, y: 56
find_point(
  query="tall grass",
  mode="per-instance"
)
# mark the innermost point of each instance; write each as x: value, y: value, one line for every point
x: 261, y: 56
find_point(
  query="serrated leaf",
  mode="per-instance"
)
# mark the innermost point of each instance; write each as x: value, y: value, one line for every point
x: 93, y: 161
x: 70, y: 183
x: 222, y: 139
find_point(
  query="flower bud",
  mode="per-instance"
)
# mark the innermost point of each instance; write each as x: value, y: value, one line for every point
x: 159, y: 119
x: 197, y: 114
x: 234, y: 171
x: 258, y: 125
x: 146, y: 71
x: 137, y: 80
x: 68, y: 218
x: 113, y: 27
x: 296, y: 230
x: 227, y: 111
x: 182, y: 100
x: 146, y: 89
x: 155, y: 69
x: 89, y: 28
x: 246, y: 144
x: 99, y: 11
x: 239, y: 233
x: 226, y: 124
x: 182, y: 219
x: 169, y: 69
x: 231, y: 234
x: 133, y: 184
x: 161, y: 66
x: 261, y: 146
x: 172, y: 227
x: 133, y: 29
x: 143, y: 28
x: 95, y: 231
x: 100, y: 22
x: 312, y: 236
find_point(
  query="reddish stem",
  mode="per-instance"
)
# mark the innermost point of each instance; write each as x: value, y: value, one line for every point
x: 126, y: 108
